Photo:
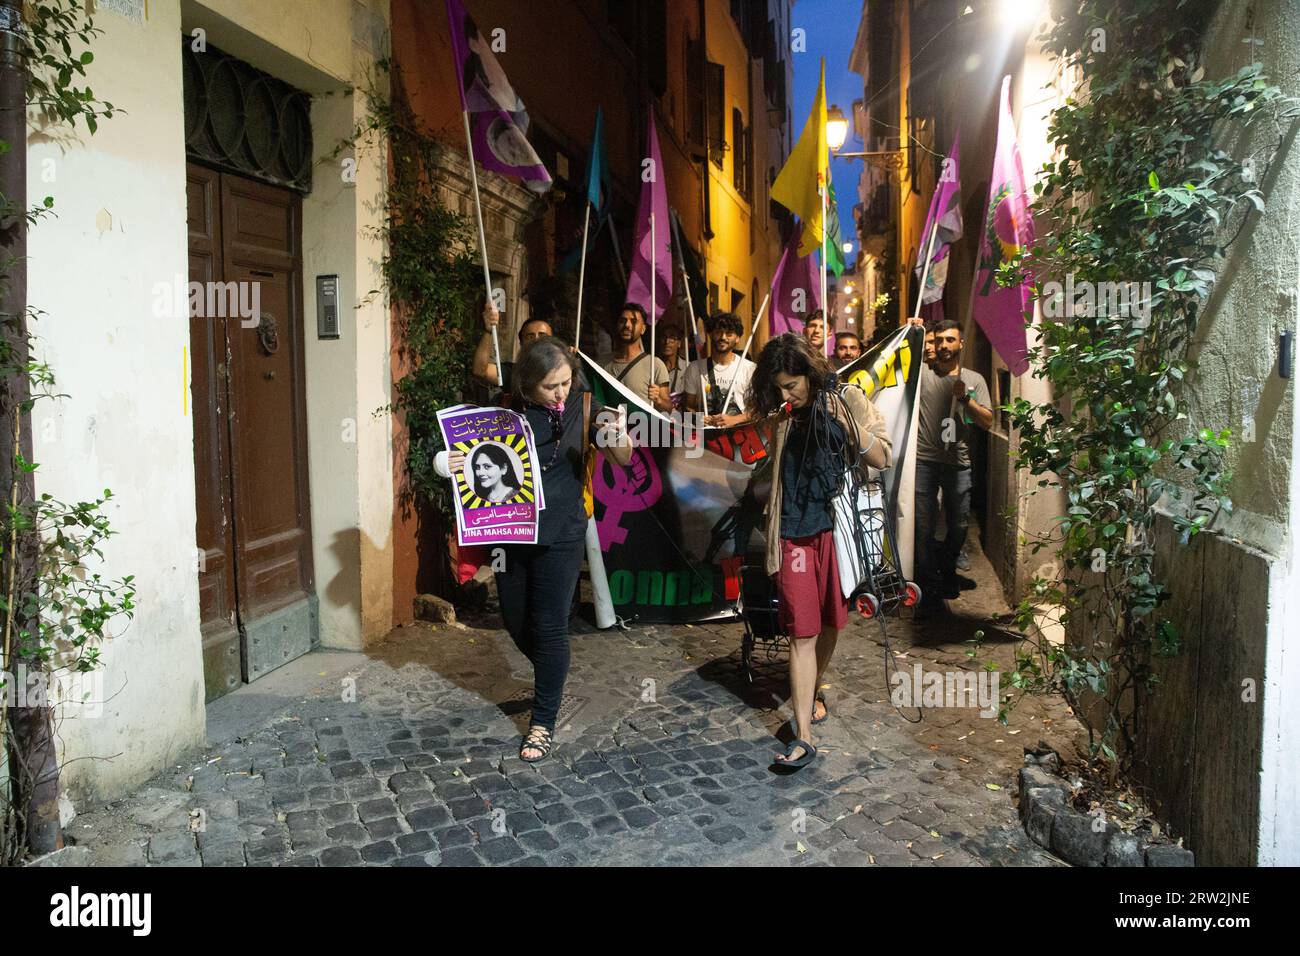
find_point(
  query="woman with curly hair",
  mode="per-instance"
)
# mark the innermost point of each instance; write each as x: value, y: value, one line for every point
x: 824, y: 430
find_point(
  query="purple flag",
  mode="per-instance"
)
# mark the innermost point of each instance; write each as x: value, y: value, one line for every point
x: 1006, y: 231
x: 654, y: 200
x: 945, y: 217
x: 796, y: 288
x: 497, y: 120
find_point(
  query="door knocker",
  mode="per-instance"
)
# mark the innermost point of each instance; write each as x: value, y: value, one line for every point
x: 268, y: 334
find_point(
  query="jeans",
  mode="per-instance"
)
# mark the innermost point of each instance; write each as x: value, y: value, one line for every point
x: 536, y: 594
x: 937, y: 561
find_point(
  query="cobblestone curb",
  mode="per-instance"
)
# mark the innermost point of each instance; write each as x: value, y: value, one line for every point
x: 1080, y: 839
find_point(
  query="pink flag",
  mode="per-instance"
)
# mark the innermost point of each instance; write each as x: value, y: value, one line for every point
x: 654, y: 200
x: 943, y: 226
x: 1006, y: 231
x: 796, y: 288
x: 497, y: 119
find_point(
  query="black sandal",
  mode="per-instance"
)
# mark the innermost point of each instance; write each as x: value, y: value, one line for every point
x: 820, y: 720
x: 537, y: 738
x: 809, y: 751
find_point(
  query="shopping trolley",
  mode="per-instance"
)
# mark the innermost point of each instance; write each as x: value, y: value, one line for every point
x: 759, y: 609
x: 863, y: 517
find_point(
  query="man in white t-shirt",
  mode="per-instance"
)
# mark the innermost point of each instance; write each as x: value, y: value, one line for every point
x: 709, y: 380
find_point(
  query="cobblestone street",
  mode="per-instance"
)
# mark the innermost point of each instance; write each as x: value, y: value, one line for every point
x: 662, y: 758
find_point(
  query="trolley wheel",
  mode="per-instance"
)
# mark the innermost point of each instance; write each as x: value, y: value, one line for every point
x: 866, y: 604
x: 911, y: 594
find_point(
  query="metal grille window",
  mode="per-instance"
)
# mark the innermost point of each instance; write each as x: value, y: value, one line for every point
x: 242, y: 120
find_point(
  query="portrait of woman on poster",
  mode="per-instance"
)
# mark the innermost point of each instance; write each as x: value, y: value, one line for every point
x: 496, y: 475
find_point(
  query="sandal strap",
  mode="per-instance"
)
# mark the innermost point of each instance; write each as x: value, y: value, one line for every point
x: 539, y: 739
x: 799, y: 742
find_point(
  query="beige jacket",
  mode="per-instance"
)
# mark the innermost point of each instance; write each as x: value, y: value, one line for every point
x: 869, y: 421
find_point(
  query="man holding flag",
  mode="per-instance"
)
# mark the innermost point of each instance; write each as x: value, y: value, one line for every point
x: 952, y: 399
x: 495, y: 124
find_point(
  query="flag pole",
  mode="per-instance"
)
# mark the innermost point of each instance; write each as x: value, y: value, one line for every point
x: 686, y: 285
x: 826, y: 305
x: 618, y: 256
x: 482, y: 241
x: 654, y: 281
x: 754, y: 328
x: 690, y: 311
x: 582, y: 274
x: 925, y: 270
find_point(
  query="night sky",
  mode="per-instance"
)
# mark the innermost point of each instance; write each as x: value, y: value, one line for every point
x: 831, y: 26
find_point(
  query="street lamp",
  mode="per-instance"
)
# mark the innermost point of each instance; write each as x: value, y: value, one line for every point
x: 1021, y: 13
x: 837, y: 128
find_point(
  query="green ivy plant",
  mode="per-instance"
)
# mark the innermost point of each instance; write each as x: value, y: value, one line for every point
x: 57, y: 617
x: 1139, y: 191
x: 53, y: 68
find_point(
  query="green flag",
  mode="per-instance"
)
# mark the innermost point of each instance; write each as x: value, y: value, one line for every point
x: 834, y: 249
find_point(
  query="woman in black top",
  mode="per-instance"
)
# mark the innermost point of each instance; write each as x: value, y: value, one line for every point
x: 536, y: 585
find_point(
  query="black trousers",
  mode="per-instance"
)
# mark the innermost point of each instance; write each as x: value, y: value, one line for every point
x: 536, y: 594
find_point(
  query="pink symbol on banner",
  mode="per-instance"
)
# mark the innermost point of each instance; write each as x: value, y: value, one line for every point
x: 634, y: 488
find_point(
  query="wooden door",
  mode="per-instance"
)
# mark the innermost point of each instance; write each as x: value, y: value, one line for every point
x: 257, y: 603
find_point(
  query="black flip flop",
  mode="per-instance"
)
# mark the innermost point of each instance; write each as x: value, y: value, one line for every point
x: 809, y: 751
x: 825, y: 716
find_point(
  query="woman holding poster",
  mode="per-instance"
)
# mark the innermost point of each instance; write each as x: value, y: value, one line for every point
x: 536, y: 582
x: 823, y: 432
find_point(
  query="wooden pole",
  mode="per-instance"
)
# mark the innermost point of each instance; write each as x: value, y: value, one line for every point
x: 925, y: 269
x: 618, y: 256
x: 826, y: 305
x: 582, y: 274
x: 654, y: 282
x: 754, y: 328
x: 482, y: 241
x: 686, y: 285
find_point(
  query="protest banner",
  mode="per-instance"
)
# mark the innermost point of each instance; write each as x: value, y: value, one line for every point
x: 678, y: 523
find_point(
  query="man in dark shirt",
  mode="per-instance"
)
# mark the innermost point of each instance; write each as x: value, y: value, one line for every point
x: 953, y: 400
x: 483, y: 367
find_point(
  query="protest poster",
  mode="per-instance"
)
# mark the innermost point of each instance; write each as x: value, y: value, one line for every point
x: 497, y: 494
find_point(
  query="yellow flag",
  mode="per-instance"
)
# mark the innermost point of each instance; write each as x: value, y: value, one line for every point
x: 797, y: 186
